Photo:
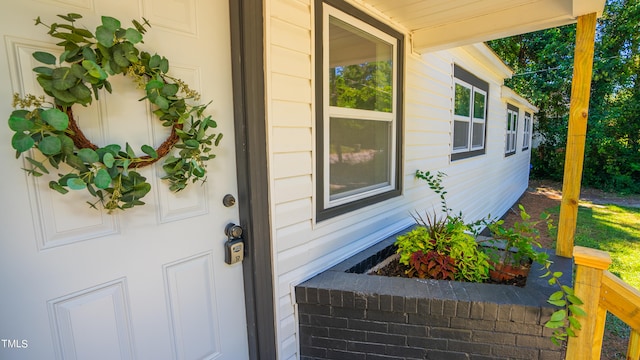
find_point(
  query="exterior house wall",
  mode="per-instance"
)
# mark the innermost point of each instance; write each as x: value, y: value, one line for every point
x: 302, y: 247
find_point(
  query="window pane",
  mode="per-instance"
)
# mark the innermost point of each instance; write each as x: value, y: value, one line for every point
x: 478, y: 105
x: 359, y: 156
x: 462, y: 101
x: 478, y: 135
x: 360, y: 69
x: 460, y: 134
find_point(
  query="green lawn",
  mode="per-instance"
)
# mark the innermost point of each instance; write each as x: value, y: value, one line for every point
x: 616, y: 230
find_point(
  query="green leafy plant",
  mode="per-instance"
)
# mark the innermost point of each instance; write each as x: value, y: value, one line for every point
x: 563, y: 321
x: 75, y: 77
x: 435, y: 183
x: 450, y: 240
x: 448, y: 236
x: 520, y: 246
x: 521, y: 242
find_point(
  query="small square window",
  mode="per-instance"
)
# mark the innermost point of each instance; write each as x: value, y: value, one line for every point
x: 526, y: 136
x: 477, y: 140
x: 469, y: 115
x: 463, y: 100
x: 479, y: 102
x: 512, y: 130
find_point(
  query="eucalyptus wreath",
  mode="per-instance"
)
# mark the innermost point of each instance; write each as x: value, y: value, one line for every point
x: 108, y: 173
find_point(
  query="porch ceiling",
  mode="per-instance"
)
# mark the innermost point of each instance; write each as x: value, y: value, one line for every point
x: 440, y: 24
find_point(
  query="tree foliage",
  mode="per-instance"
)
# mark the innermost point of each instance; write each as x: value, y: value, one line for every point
x: 543, y: 65
x: 366, y: 86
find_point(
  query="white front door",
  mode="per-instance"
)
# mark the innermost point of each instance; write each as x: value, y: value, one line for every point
x: 146, y: 283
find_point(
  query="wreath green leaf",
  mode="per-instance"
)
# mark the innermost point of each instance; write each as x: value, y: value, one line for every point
x: 108, y: 173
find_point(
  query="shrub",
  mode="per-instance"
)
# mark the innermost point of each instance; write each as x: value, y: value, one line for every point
x: 452, y: 247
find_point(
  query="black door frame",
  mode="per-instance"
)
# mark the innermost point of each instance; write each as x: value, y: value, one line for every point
x: 247, y: 59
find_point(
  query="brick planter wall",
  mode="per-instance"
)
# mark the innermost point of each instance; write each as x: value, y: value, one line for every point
x: 353, y: 316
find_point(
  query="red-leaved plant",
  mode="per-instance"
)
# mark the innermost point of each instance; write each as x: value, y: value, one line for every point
x: 432, y: 265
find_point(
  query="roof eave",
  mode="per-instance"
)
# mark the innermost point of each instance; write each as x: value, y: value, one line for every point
x: 490, y: 59
x: 454, y: 26
x: 446, y: 37
x: 510, y: 95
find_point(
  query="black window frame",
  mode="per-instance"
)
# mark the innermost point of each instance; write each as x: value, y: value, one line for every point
x: 516, y: 110
x: 471, y: 79
x: 527, y: 129
x: 322, y: 212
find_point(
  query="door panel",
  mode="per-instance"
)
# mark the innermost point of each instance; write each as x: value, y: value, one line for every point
x: 190, y: 288
x: 51, y: 230
x: 146, y: 283
x: 76, y: 318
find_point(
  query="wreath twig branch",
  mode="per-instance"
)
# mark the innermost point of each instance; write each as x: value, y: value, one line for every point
x: 80, y: 141
x: 108, y: 172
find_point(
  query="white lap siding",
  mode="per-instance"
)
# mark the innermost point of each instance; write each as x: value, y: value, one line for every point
x: 302, y: 248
